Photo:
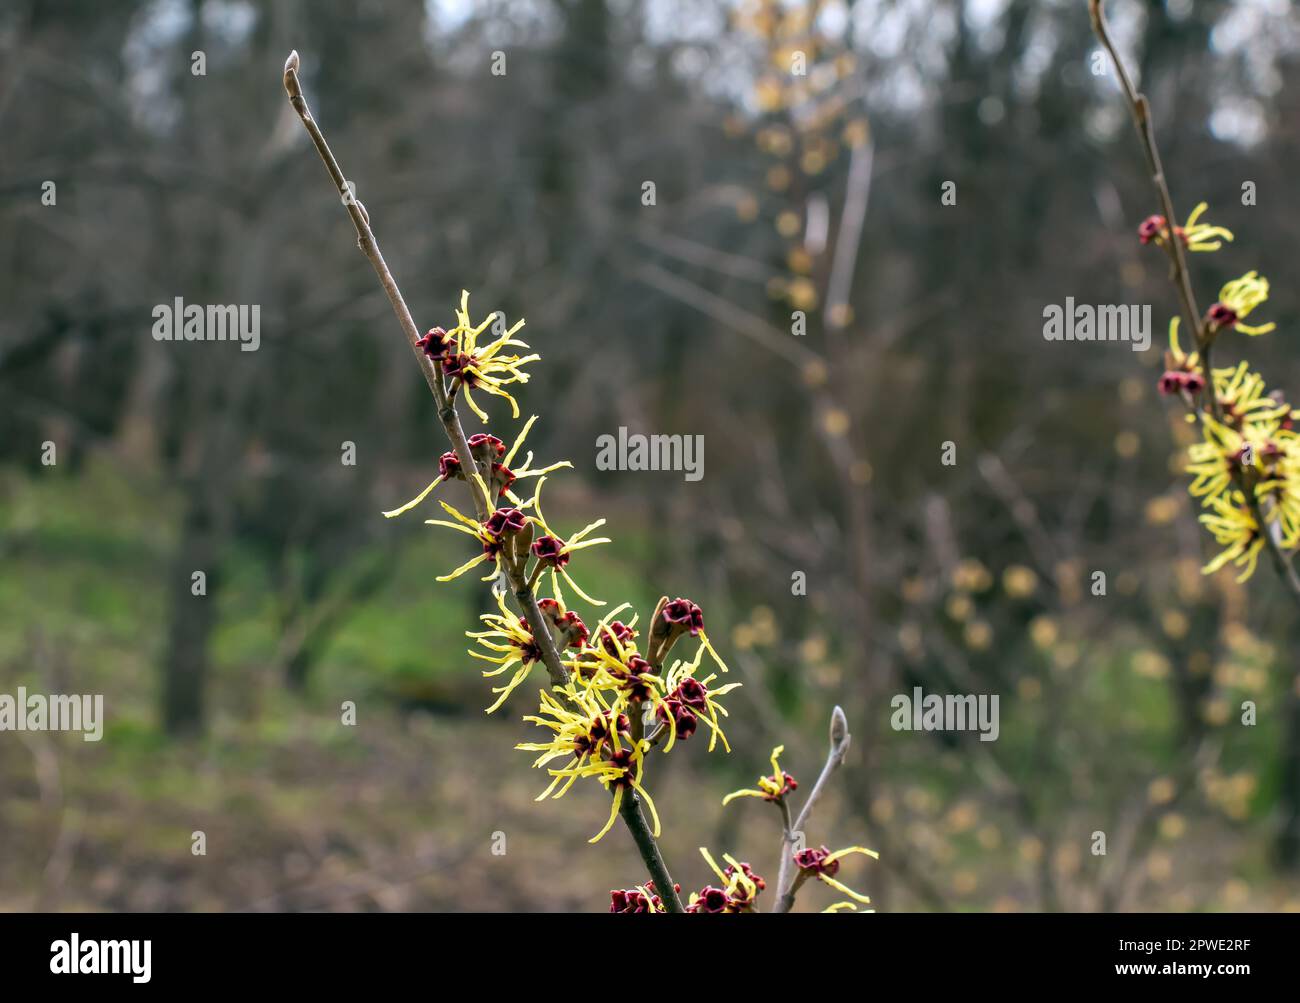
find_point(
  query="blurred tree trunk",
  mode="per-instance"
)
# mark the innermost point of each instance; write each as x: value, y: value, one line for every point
x: 1288, y: 839
x: 298, y: 669
x: 192, y: 618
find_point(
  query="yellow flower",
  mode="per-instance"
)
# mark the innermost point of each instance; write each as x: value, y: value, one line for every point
x: 598, y: 743
x: 448, y: 467
x: 1243, y: 401
x: 510, y: 641
x: 740, y: 887
x: 582, y: 725
x: 1202, y: 236
x: 771, y: 788
x: 489, y: 450
x: 615, y: 636
x: 1175, y: 355
x: 482, y: 367
x: 1182, y: 370
x: 620, y: 773
x: 1279, y: 484
x: 1236, y: 300
x: 553, y: 552
x: 822, y: 864
x: 629, y: 675
x: 1233, y: 526
x: 493, y: 542
x: 687, y: 700
x: 1224, y: 452
x: 1019, y: 581
x: 503, y: 476
x: 1196, y: 236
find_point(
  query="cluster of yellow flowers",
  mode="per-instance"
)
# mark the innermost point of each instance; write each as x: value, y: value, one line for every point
x: 618, y: 702
x: 610, y: 701
x: 619, y: 698
x: 1246, y: 467
x: 618, y: 705
x: 806, y: 111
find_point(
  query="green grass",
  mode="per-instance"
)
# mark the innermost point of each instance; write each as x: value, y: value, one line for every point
x: 87, y: 559
x: 84, y: 600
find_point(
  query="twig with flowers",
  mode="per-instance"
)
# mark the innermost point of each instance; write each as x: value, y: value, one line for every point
x: 1247, y: 466
x: 809, y: 863
x: 604, y: 692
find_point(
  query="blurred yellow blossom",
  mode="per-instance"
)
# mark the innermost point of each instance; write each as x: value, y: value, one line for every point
x: 1161, y: 790
x: 1043, y: 632
x: 1018, y: 581
x: 971, y: 576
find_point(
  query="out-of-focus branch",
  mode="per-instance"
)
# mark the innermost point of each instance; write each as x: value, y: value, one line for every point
x: 850, y: 235
x: 703, y: 255
x: 727, y: 313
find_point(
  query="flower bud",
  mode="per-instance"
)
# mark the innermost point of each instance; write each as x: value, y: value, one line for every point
x: 449, y: 466
x: 671, y: 620
x: 505, y: 521
x: 1171, y: 383
x: 434, y: 343
x: 567, y: 627
x: 1151, y: 228
x: 710, y: 899
x: 621, y: 632
x: 813, y: 861
x: 549, y: 550
x: 1221, y: 315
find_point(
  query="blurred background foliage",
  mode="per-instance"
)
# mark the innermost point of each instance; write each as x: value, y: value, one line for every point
x: 775, y: 193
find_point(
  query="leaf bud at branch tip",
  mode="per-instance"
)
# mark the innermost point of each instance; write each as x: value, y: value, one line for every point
x: 839, y: 729
x: 291, y: 75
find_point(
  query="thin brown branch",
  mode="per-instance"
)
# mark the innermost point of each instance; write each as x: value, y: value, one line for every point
x: 630, y: 811
x: 516, y: 571
x: 725, y: 312
x: 1141, y: 112
x: 847, y: 243
x: 787, y: 879
x: 429, y: 367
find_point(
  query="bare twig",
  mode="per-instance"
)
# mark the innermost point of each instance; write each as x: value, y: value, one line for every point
x: 429, y: 367
x: 850, y: 235
x: 787, y: 880
x: 447, y: 414
x: 1141, y: 112
x: 725, y: 312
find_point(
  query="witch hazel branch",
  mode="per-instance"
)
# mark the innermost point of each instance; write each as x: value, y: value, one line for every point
x: 1246, y: 467
x: 615, y: 693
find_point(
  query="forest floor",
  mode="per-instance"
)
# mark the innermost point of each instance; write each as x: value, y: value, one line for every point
x: 423, y: 804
